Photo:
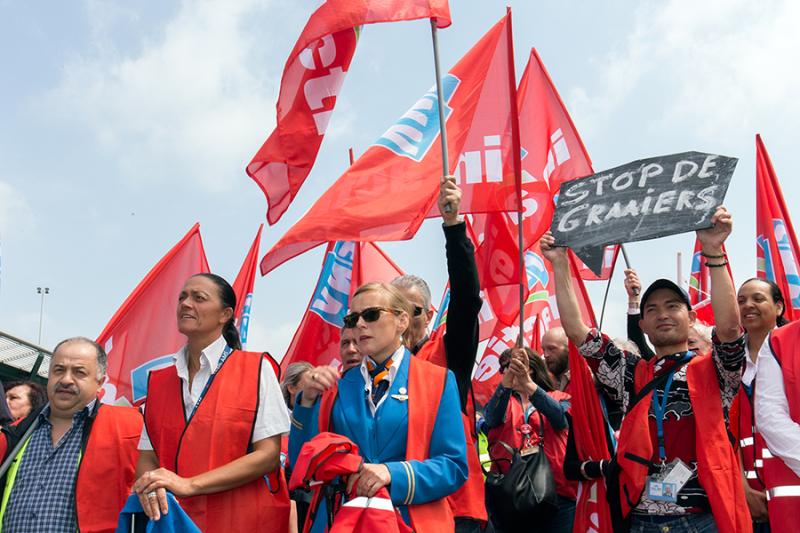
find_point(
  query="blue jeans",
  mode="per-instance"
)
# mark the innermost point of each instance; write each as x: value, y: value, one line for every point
x: 689, y: 523
x: 563, y: 519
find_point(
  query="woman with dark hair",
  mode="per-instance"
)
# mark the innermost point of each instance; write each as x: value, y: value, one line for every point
x: 213, y: 423
x: 525, y: 406
x: 761, y: 309
x: 402, y: 412
x: 24, y: 397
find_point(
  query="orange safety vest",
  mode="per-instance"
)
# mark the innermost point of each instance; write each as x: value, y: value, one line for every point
x: 470, y: 500
x: 783, y: 485
x: 717, y: 466
x: 107, y: 467
x: 426, y: 383
x: 555, y: 442
x: 219, y: 432
x: 751, y: 443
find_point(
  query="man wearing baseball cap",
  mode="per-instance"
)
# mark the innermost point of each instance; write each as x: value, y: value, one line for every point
x: 674, y: 469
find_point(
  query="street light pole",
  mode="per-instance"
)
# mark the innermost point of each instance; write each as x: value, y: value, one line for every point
x: 42, y: 291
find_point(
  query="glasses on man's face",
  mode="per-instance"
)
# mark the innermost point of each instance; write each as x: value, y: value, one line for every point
x: 370, y: 314
x: 418, y: 310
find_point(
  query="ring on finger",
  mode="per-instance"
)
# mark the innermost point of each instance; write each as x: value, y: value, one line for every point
x: 151, y: 494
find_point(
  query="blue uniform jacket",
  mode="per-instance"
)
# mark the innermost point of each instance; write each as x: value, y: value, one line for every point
x: 382, y: 438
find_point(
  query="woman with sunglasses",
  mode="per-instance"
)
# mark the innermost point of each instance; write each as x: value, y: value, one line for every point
x: 524, y: 407
x: 213, y: 423
x: 402, y: 412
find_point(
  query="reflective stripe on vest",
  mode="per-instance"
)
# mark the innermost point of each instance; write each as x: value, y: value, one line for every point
x: 383, y: 504
x: 783, y: 491
x: 10, y: 479
x: 766, y: 454
x: 751, y: 474
x: 744, y: 443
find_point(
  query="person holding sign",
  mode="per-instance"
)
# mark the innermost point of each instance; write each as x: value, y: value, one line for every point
x: 213, y: 423
x: 674, y: 469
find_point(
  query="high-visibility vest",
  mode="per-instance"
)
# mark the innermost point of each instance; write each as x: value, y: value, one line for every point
x: 717, y: 466
x: 218, y: 433
x: 783, y: 485
x: 751, y: 443
x: 426, y: 383
x: 106, y: 469
x: 470, y: 500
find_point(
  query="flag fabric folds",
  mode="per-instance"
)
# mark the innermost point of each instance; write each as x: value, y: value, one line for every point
x: 312, y: 78
x: 776, y: 241
x: 345, y: 267
x: 243, y: 287
x: 142, y: 335
x: 388, y: 192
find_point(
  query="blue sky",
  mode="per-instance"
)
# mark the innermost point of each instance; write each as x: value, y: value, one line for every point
x: 121, y: 124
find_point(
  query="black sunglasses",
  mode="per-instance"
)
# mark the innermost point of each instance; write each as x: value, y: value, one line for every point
x: 370, y: 314
x: 418, y: 310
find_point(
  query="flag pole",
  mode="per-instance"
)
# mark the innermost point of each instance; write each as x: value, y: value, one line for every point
x: 352, y: 158
x: 441, y: 102
x: 516, y: 159
x: 608, y: 287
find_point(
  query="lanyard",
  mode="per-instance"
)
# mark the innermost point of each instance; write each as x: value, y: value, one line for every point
x: 660, y: 409
x: 608, y: 423
x: 222, y: 358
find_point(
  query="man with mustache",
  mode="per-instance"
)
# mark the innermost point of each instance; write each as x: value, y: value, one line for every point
x: 74, y: 459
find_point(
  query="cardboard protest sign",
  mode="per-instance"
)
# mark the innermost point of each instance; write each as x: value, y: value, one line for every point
x: 642, y: 200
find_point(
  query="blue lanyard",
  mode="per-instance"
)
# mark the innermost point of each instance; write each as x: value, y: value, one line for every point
x: 222, y: 358
x: 660, y: 409
x: 608, y: 422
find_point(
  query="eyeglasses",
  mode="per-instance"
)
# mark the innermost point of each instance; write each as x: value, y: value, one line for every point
x: 418, y: 310
x: 370, y: 314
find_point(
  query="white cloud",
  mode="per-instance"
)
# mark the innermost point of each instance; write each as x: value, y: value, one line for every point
x: 711, y: 68
x: 16, y: 215
x: 192, y: 103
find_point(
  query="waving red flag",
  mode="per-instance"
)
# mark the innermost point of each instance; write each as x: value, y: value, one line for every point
x: 776, y: 243
x: 346, y: 266
x: 143, y: 334
x: 243, y: 287
x: 592, y: 514
x: 392, y: 187
x: 312, y: 78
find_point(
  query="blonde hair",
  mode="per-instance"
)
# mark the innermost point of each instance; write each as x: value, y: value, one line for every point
x: 397, y: 302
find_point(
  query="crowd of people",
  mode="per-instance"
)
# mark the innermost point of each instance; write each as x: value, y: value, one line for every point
x: 701, y: 425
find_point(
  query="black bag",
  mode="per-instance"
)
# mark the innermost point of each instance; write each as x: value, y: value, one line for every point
x: 526, y: 494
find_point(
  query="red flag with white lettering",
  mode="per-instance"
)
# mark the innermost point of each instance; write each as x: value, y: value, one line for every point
x: 392, y: 187
x: 243, y: 287
x: 143, y: 335
x: 312, y: 78
x: 776, y: 241
x: 346, y: 266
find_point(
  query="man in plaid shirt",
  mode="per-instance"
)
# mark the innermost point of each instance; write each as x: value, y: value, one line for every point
x: 666, y: 319
x: 73, y: 434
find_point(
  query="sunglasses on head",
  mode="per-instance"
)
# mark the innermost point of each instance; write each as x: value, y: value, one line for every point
x: 370, y: 314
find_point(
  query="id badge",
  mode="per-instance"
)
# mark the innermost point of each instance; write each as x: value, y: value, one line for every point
x: 529, y: 450
x: 677, y: 472
x: 661, y: 491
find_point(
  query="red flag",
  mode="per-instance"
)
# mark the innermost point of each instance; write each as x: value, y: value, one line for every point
x: 776, y: 243
x: 346, y: 266
x: 610, y: 255
x: 591, y: 511
x: 536, y: 336
x: 392, y: 187
x: 243, y: 287
x: 143, y: 335
x: 312, y: 78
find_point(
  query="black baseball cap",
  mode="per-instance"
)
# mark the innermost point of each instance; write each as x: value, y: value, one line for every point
x: 664, y: 284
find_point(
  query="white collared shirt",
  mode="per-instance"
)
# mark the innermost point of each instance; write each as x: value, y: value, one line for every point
x: 773, y: 421
x: 750, y: 367
x: 272, y: 417
x: 397, y: 358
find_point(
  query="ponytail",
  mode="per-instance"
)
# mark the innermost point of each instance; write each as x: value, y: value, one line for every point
x: 231, y: 335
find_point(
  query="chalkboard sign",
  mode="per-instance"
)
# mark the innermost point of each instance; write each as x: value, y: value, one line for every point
x: 642, y: 200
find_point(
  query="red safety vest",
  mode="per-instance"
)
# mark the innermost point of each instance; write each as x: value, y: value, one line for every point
x: 426, y: 383
x: 717, y: 466
x: 218, y: 433
x: 470, y: 500
x: 783, y: 485
x: 555, y: 442
x: 107, y: 469
x: 751, y: 443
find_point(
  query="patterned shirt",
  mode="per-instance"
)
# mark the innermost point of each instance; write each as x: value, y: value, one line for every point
x: 43, y: 496
x: 615, y: 369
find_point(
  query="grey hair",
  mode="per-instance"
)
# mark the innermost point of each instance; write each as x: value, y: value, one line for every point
x: 102, y: 358
x: 703, y: 330
x: 410, y: 281
x: 294, y: 373
x: 627, y: 345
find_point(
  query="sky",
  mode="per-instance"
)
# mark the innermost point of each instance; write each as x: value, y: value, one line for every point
x: 122, y: 124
